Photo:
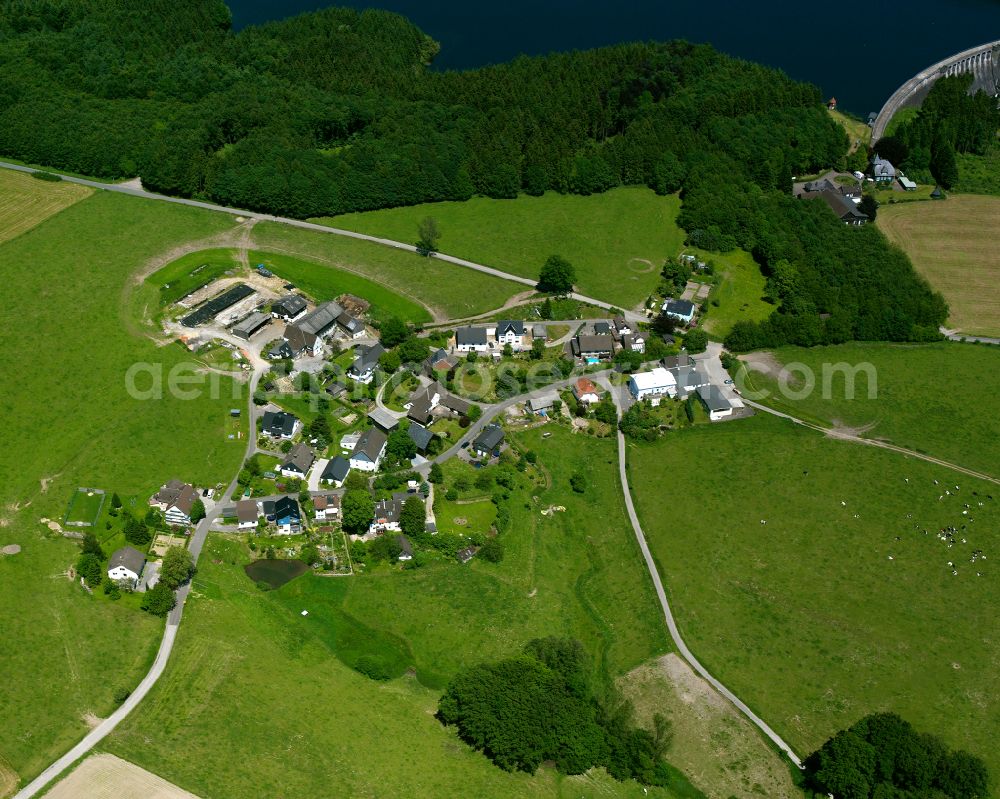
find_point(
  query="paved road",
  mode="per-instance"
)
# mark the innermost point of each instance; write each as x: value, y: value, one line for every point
x: 299, y: 223
x: 954, y: 335
x: 665, y: 603
x: 102, y: 730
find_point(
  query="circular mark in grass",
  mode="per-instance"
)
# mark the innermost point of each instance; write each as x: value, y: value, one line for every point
x: 641, y: 266
x: 11, y: 549
x: 461, y: 521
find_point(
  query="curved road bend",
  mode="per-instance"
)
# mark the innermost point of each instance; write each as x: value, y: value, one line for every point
x: 102, y: 730
x: 675, y: 633
x: 299, y: 223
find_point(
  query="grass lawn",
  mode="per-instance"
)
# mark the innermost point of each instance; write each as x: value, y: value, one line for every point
x: 821, y: 615
x: 192, y: 271
x: 466, y: 518
x: 738, y: 292
x: 323, y: 282
x: 26, y: 201
x: 617, y: 240
x: 84, y: 506
x: 901, y: 117
x: 857, y: 131
x: 243, y: 655
x: 71, y: 421
x: 451, y: 292
x: 952, y: 243
x: 255, y: 702
x: 939, y: 399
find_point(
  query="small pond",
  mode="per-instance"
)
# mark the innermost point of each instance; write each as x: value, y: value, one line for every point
x: 275, y: 572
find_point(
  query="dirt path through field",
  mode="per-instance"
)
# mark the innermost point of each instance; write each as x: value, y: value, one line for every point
x: 110, y: 777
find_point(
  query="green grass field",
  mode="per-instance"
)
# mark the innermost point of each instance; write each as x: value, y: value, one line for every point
x: 821, y: 615
x: 933, y: 398
x: 190, y: 272
x: 857, y: 131
x: 70, y: 421
x: 953, y: 245
x: 26, y: 201
x: 617, y: 241
x: 323, y: 282
x: 449, y: 291
x: 84, y: 507
x: 739, y: 292
x: 464, y: 519
x: 244, y: 656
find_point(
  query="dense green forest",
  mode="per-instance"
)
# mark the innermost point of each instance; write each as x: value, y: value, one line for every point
x: 337, y: 111
x: 951, y: 122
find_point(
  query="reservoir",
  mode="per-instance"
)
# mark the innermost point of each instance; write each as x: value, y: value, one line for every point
x: 860, y: 54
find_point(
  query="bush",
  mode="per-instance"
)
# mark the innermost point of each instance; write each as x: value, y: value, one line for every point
x: 158, y: 600
x: 578, y: 482
x: 90, y: 568
x: 47, y: 176
x: 492, y: 550
x: 696, y: 341
x: 372, y: 668
x: 121, y: 694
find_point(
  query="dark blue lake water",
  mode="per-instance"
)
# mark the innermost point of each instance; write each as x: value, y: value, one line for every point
x: 859, y: 53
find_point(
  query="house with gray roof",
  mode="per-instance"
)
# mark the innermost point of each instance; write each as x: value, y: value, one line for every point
x: 279, y: 424
x: 322, y: 320
x: 472, y: 339
x: 298, y: 462
x: 351, y: 327
x: 717, y: 404
x: 593, y: 347
x: 489, y: 440
x: 363, y: 368
x: 510, y: 331
x: 288, y: 308
x: 369, y: 450
x: 420, y: 436
x: 682, y: 310
x: 384, y: 419
x: 882, y: 170
x: 125, y: 566
x: 336, y: 471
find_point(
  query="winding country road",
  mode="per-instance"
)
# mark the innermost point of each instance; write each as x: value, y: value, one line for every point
x: 133, y: 191
x: 675, y: 633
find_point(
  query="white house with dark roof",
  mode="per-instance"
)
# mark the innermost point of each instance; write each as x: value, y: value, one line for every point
x: 387, y: 513
x: 326, y: 506
x: 882, y: 170
x: 279, y: 424
x: 336, y: 471
x: 288, y: 308
x: 298, y: 461
x: 472, y: 339
x: 369, y: 450
x: 247, y: 514
x: 717, y: 404
x: 125, y: 566
x: 510, y: 332
x: 350, y: 326
x: 489, y: 440
x: 682, y: 310
x: 363, y: 368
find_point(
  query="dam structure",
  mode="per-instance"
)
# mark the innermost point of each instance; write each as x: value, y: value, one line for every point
x: 983, y: 62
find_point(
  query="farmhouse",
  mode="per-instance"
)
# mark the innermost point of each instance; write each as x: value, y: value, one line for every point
x: 718, y: 406
x: 288, y: 308
x: 336, y: 471
x: 622, y: 328
x: 251, y: 325
x: 682, y: 310
x: 488, y: 441
x: 285, y: 514
x: 280, y: 351
x: 471, y: 339
x: 382, y: 418
x: 298, y: 461
x: 369, y: 450
x: 125, y: 566
x: 455, y: 404
x: 363, y: 368
x: 302, y: 342
x: 326, y: 507
x: 846, y: 211
x: 175, y: 499
x: 246, y: 514
x: 673, y: 361
x: 510, y: 332
x: 593, y: 348
x: 279, y: 424
x: 653, y: 385
x: 585, y: 390
x: 321, y: 321
x: 420, y: 436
